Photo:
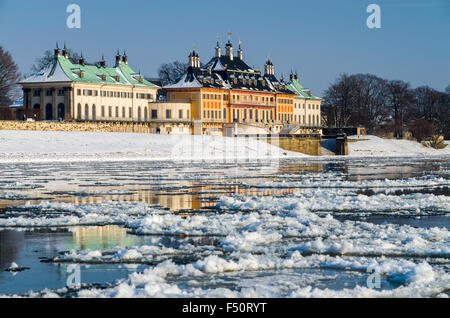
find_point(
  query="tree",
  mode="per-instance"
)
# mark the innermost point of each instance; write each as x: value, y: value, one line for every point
x: 421, y: 129
x: 356, y: 100
x: 9, y: 76
x: 170, y: 72
x: 447, y: 90
x: 338, y: 100
x: 399, y: 99
x: 426, y: 101
x: 47, y: 59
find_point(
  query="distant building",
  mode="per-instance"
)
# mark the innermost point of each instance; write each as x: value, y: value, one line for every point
x: 209, y: 99
x: 81, y: 91
x: 307, y: 112
x: 226, y: 90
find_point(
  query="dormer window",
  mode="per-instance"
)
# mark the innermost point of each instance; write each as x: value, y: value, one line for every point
x: 116, y: 78
x: 102, y: 77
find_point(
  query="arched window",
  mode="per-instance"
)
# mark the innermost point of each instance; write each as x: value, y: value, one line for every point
x: 37, y: 106
x: 139, y: 113
x: 86, y: 112
x: 49, y: 112
x: 145, y: 114
x: 61, y: 111
x: 94, y: 112
x: 79, y: 112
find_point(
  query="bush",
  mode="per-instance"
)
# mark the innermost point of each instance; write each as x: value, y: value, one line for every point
x: 421, y: 129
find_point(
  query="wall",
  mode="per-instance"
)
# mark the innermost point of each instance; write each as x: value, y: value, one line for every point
x: 97, y: 126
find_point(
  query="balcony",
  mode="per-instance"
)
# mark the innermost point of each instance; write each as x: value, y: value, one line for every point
x: 252, y: 103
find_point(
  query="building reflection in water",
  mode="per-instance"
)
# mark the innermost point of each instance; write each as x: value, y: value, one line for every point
x: 182, y: 195
x: 101, y: 237
x: 10, y: 245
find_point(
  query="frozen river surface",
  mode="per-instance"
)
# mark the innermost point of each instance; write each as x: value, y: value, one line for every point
x: 295, y: 228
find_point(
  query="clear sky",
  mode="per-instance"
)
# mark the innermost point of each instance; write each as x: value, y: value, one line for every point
x: 320, y: 39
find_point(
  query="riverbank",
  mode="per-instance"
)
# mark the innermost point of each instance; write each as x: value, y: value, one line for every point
x: 18, y: 146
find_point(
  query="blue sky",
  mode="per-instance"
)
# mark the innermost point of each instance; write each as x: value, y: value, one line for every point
x: 320, y: 39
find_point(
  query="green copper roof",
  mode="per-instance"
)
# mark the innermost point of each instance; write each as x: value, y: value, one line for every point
x: 121, y: 73
x: 295, y: 87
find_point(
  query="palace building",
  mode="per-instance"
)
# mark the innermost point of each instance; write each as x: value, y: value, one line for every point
x: 306, y: 106
x: 69, y: 91
x: 227, y: 91
x: 222, y: 97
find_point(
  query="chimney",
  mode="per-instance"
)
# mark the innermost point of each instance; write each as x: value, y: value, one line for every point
x: 57, y: 50
x: 103, y: 62
x: 269, y: 69
x: 125, y: 57
x: 191, y: 59
x: 240, y: 52
x: 229, y: 48
x: 82, y: 61
x: 217, y: 48
x: 194, y: 60
x: 118, y: 57
x: 65, y: 52
x: 197, y: 60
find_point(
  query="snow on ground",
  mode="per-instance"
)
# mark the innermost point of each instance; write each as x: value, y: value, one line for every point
x: 373, y: 146
x: 37, y: 146
x: 31, y: 146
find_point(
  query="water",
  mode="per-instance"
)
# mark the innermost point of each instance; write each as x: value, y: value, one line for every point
x: 362, y: 191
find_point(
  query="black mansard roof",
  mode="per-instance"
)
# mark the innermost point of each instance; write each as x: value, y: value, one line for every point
x: 224, y: 73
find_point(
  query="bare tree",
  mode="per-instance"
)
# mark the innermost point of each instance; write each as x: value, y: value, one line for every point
x: 9, y: 76
x: 399, y: 99
x: 48, y: 57
x: 356, y: 100
x: 338, y: 98
x: 170, y: 72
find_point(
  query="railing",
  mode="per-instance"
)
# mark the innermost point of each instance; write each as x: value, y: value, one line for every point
x: 252, y: 103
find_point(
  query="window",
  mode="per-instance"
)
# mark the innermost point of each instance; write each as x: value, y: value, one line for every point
x: 168, y: 113
x: 78, y: 92
x: 180, y: 113
x: 79, y: 111
x: 117, y: 112
x: 145, y: 114
x: 48, y: 92
x: 224, y: 113
x: 94, y: 112
x: 154, y: 114
x: 86, y: 111
x: 103, y: 111
x: 130, y: 112
x: 60, y: 92
x: 109, y: 111
x: 187, y: 115
x: 123, y: 112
